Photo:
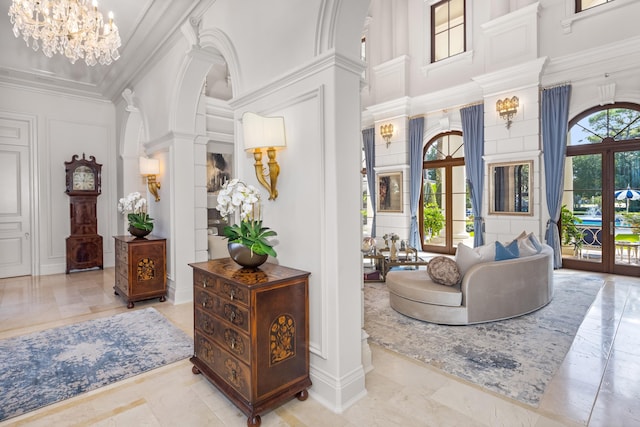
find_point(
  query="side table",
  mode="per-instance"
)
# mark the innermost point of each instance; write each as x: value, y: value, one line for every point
x: 141, y: 268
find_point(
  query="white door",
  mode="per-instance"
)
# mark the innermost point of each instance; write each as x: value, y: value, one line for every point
x: 15, y: 195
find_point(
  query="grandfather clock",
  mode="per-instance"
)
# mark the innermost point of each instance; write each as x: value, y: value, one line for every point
x: 83, y: 185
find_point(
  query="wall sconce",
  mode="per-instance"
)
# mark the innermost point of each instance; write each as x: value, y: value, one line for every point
x: 387, y: 132
x: 150, y: 168
x: 507, y: 108
x: 264, y: 132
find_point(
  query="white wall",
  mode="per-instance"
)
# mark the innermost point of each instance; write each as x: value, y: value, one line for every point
x: 66, y: 126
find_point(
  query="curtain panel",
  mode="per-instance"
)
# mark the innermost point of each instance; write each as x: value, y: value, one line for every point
x: 473, y: 137
x: 555, y: 118
x: 416, y: 130
x: 369, y: 142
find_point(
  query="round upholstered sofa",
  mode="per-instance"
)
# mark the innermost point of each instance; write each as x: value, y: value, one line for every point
x: 489, y: 291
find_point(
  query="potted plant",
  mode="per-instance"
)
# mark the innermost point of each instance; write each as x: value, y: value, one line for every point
x: 135, y: 207
x: 433, y: 220
x: 570, y: 234
x: 248, y: 242
x: 633, y: 219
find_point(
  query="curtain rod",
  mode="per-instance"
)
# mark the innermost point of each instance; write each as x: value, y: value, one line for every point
x: 473, y: 104
x: 556, y: 85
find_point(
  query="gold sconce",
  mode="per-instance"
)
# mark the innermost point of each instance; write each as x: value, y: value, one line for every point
x: 150, y: 168
x: 507, y: 108
x: 264, y: 132
x: 387, y: 132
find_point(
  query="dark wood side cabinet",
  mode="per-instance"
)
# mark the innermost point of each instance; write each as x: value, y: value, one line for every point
x: 141, y: 268
x: 251, y: 333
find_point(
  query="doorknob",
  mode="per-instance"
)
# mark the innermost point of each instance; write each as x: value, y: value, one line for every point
x: 26, y: 236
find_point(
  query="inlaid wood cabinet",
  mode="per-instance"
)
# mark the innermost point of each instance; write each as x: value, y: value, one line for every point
x: 141, y: 268
x: 251, y: 333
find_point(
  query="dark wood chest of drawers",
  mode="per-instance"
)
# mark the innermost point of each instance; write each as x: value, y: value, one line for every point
x: 251, y: 333
x: 141, y: 268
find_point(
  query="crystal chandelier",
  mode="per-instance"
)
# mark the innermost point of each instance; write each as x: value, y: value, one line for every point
x: 68, y: 27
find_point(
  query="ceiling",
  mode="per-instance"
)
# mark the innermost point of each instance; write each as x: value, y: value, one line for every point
x: 144, y: 25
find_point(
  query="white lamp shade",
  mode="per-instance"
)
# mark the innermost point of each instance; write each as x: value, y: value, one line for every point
x: 149, y: 166
x: 263, y: 132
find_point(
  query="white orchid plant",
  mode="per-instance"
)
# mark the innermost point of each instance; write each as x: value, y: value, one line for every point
x: 135, y: 207
x: 236, y: 196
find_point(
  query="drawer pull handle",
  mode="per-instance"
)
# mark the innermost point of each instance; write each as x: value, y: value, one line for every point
x: 233, y: 343
x: 232, y: 316
x: 234, y: 374
x: 204, y: 303
x: 232, y: 294
x: 204, y: 283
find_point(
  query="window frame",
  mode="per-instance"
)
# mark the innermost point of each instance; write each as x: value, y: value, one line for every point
x: 432, y: 34
x: 579, y: 8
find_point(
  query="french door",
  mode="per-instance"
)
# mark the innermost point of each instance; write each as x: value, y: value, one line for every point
x: 602, y: 190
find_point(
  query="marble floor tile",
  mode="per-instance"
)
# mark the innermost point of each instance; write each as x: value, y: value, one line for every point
x: 596, y: 385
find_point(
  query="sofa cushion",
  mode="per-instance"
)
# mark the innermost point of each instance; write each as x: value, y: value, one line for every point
x: 526, y: 247
x: 467, y: 257
x: 444, y: 271
x: 504, y: 252
x: 417, y: 287
x: 535, y: 242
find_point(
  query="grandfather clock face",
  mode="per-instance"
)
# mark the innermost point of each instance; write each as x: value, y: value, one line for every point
x: 83, y: 176
x: 84, y: 179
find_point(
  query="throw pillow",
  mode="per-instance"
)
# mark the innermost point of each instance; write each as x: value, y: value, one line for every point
x: 467, y: 257
x: 509, y: 251
x: 526, y: 248
x: 535, y: 242
x: 444, y: 271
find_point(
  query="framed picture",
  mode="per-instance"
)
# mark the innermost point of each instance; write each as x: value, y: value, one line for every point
x: 389, y: 188
x: 218, y: 170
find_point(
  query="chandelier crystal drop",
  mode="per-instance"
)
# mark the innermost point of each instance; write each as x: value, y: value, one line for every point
x: 69, y: 27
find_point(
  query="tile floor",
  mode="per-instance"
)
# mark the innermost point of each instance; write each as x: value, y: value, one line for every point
x: 597, y: 385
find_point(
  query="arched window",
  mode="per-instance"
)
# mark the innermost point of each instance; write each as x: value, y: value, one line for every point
x: 446, y: 207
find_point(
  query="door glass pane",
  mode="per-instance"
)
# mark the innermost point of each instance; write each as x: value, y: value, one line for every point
x: 461, y: 208
x: 581, y: 223
x: 434, y: 201
x: 627, y: 206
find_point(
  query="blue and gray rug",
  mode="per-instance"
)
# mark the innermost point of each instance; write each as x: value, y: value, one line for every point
x: 49, y: 366
x: 516, y: 357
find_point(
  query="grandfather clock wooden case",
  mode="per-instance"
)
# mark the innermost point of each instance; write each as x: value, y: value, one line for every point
x: 83, y: 186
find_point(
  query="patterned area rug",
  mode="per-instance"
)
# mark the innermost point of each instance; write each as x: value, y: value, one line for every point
x: 515, y: 357
x: 49, y: 366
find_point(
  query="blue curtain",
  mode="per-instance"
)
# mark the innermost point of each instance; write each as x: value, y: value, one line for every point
x: 555, y: 117
x: 473, y: 136
x: 416, y: 127
x: 369, y: 141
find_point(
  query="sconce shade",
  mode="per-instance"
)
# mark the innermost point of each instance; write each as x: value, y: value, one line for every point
x: 263, y: 132
x: 149, y: 166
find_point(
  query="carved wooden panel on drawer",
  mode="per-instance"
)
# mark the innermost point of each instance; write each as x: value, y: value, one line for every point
x: 227, y: 337
x: 237, y: 316
x: 231, y: 370
x: 232, y: 292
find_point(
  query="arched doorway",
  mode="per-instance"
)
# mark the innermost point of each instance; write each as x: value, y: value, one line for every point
x: 446, y: 207
x: 600, y: 226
